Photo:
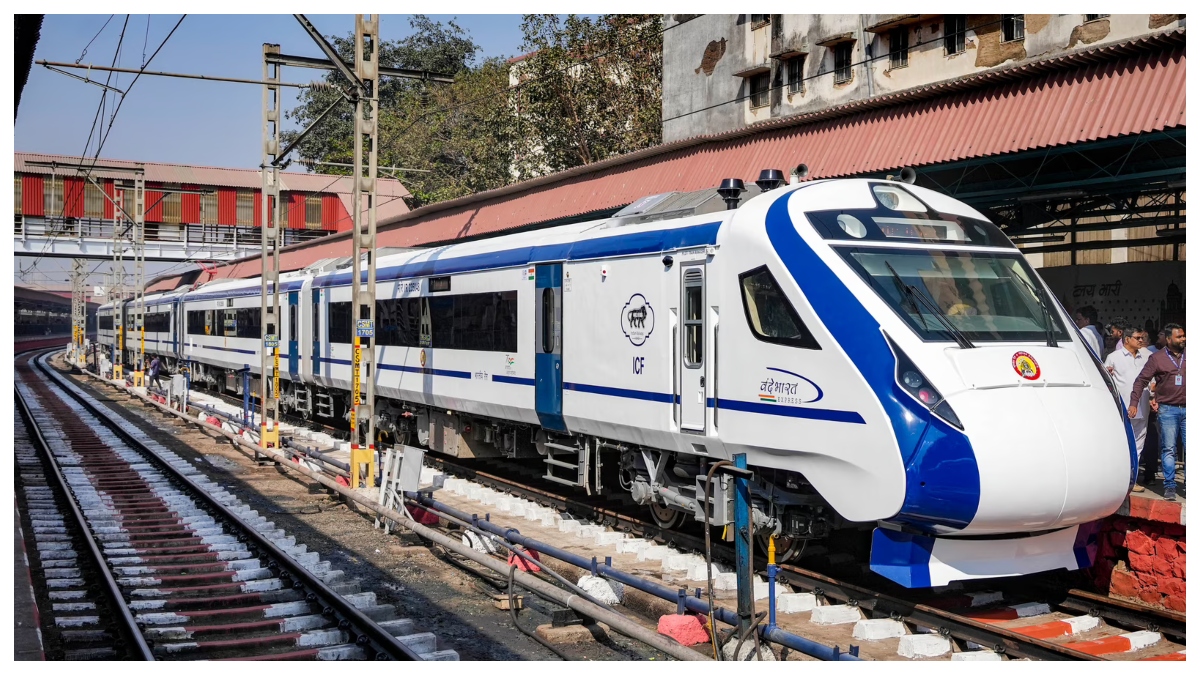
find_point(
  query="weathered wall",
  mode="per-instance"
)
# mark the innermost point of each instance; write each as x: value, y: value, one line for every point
x: 701, y: 59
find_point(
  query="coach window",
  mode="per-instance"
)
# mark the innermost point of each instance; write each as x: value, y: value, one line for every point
x: 340, y: 324
x: 693, y: 318
x: 548, y: 320
x: 771, y: 317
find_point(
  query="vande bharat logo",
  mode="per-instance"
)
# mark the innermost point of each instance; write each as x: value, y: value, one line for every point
x: 637, y: 319
x: 788, y: 388
x: 1026, y: 366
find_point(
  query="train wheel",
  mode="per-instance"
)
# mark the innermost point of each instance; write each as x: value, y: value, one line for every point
x: 664, y: 516
x: 786, y: 548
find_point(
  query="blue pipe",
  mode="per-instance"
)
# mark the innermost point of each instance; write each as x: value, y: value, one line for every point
x: 694, y: 604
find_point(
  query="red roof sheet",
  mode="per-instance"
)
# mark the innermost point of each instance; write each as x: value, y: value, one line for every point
x: 1129, y: 88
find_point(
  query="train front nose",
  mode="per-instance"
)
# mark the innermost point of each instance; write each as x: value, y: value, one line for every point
x: 1048, y: 456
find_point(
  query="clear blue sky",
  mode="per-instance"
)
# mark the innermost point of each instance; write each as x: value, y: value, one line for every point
x: 189, y: 121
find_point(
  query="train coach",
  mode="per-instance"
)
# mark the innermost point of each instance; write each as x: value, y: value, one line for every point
x: 881, y: 353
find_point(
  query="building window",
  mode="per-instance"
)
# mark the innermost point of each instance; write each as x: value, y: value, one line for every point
x: 759, y: 20
x: 53, y: 197
x: 841, y: 62
x: 245, y: 209
x: 1012, y: 27
x: 312, y: 212
x: 1094, y: 17
x: 17, y: 195
x: 208, y: 208
x: 795, y: 74
x: 956, y: 33
x: 760, y: 90
x: 93, y: 200
x: 898, y: 47
x: 172, y: 206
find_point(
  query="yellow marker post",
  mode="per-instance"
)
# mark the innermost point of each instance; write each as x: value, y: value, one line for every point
x: 118, y: 358
x: 359, y: 455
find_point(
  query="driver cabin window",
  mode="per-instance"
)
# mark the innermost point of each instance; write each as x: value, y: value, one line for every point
x: 693, y: 318
x: 771, y: 316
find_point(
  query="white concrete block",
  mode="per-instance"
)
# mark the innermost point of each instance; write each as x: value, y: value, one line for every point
x: 569, y: 526
x: 981, y: 598
x: 489, y: 497
x: 762, y: 590
x: 725, y: 581
x: 832, y: 615
x: 878, y: 629
x: 653, y: 552
x: 1031, y: 609
x: 698, y: 571
x: 923, y: 646
x: 588, y: 531
x: 1082, y: 624
x: 980, y: 655
x: 632, y: 545
x: 473, y: 492
x: 791, y: 603
x: 605, y: 590
x: 1142, y: 639
x: 746, y: 653
x: 517, y: 509
x: 677, y: 562
x: 609, y: 538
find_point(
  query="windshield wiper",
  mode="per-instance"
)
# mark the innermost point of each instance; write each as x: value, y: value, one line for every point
x: 1038, y: 293
x: 917, y: 294
x: 908, y: 295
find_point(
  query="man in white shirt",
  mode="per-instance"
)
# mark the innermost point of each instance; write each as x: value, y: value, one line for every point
x: 1086, y: 319
x: 1124, y: 365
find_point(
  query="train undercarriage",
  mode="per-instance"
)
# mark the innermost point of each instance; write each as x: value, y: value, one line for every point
x: 670, y: 485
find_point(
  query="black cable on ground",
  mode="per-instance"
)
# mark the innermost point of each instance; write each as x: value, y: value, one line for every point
x: 512, y: 611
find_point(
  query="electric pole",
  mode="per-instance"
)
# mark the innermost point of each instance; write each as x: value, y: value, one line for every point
x: 139, y: 282
x: 78, y: 311
x: 362, y: 415
x: 268, y: 436
x: 118, y: 287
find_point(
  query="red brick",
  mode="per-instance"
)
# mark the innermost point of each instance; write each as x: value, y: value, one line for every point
x: 1161, y: 567
x: 1182, y: 544
x: 1173, y: 587
x: 523, y: 564
x: 1179, y: 568
x: 422, y: 516
x: 686, y: 629
x: 1166, y: 549
x: 1137, y: 542
x: 1177, y: 604
x: 1125, y: 584
x: 1151, y: 596
x: 1141, y: 563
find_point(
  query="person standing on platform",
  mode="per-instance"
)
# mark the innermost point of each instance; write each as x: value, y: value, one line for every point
x: 1086, y: 319
x: 154, y: 367
x: 1124, y: 365
x: 1168, y: 369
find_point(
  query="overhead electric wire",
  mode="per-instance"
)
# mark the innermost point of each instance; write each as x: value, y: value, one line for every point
x: 89, y: 44
x: 834, y: 71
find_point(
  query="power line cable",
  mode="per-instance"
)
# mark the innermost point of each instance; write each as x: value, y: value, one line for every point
x: 89, y: 44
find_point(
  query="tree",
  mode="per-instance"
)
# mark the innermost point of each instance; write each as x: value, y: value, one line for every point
x: 591, y: 89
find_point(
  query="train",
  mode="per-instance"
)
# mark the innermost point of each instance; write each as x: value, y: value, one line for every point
x: 882, y: 355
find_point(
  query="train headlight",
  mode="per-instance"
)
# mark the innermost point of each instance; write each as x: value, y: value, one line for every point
x: 913, y: 381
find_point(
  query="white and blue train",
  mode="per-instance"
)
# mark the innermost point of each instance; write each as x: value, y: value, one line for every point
x: 881, y: 353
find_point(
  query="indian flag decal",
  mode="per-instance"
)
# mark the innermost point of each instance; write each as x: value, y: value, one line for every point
x: 532, y: 273
x: 770, y: 398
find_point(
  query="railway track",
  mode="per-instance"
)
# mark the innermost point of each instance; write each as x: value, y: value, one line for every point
x: 1019, y: 619
x: 181, y: 569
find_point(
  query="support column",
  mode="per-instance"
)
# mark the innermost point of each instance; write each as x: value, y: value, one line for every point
x: 269, y: 310
x: 78, y: 311
x: 362, y: 415
x: 139, y: 280
x: 742, y: 544
x: 118, y: 287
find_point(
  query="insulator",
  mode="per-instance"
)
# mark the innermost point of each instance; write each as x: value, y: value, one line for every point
x: 322, y: 86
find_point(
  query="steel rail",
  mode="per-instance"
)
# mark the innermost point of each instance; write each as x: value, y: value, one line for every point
x: 370, y: 636
x: 128, y: 624
x: 1127, y: 613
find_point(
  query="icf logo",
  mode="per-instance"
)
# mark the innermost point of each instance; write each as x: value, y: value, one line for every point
x: 637, y: 319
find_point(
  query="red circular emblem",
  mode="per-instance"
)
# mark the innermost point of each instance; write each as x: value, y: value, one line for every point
x: 1026, y: 366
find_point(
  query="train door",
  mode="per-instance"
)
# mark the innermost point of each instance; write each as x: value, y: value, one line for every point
x: 692, y: 389
x: 177, y: 328
x: 547, y: 362
x: 316, y: 332
x: 293, y: 333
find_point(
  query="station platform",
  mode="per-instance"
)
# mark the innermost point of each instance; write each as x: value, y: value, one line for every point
x: 1142, y: 551
x: 27, y: 634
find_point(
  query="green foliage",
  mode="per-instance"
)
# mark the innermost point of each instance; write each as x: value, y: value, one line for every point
x: 591, y: 91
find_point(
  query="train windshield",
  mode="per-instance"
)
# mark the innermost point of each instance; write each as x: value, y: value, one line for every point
x: 989, y: 297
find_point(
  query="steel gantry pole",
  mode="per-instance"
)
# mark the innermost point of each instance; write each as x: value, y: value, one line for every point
x: 118, y: 288
x: 78, y: 311
x: 268, y: 391
x: 362, y: 403
x: 139, y: 282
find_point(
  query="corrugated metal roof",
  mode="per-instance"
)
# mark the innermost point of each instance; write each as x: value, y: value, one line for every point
x: 391, y: 192
x: 1128, y: 88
